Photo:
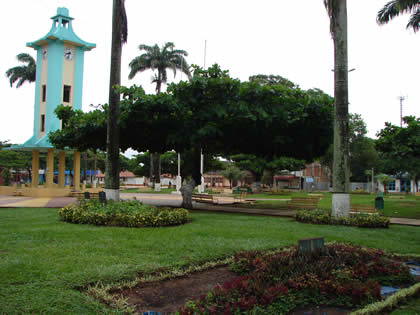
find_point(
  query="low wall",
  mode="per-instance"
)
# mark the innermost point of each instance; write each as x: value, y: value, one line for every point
x: 7, y: 190
x: 41, y: 191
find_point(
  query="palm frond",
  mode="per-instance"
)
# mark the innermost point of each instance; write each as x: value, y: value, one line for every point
x: 160, y: 59
x: 24, y: 57
x: 414, y: 21
x: 396, y: 7
x: 21, y: 74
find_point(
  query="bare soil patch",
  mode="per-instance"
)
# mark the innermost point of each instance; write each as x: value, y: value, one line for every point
x: 170, y: 295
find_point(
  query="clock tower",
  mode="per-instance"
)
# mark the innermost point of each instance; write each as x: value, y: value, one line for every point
x: 59, y: 80
x: 59, y: 75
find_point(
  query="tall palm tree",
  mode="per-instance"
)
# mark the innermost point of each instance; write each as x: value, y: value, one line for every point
x: 119, y: 37
x: 337, y: 12
x: 22, y: 73
x: 396, y: 7
x: 160, y: 59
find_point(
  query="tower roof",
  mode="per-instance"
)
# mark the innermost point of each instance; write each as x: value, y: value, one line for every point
x: 61, y: 30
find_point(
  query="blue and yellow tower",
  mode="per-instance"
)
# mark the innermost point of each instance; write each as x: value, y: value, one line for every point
x: 59, y: 80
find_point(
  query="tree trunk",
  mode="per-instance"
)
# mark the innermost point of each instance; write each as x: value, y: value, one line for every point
x: 94, y: 170
x: 112, y: 164
x: 341, y: 203
x: 186, y: 192
x: 156, y: 171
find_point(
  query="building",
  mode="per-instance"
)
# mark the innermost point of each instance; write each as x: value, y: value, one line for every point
x: 59, y: 80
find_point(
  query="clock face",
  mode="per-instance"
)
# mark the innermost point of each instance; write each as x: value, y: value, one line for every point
x: 44, y: 53
x: 68, y: 53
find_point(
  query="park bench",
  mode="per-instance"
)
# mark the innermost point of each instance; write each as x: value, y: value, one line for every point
x: 18, y: 192
x: 88, y: 196
x: 202, y: 198
x: 370, y: 209
x: 303, y: 203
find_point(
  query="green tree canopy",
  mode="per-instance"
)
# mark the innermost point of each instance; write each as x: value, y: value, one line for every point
x: 400, y: 147
x: 219, y: 115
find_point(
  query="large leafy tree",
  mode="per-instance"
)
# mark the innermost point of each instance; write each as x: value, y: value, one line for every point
x: 22, y: 74
x: 396, y: 7
x: 119, y: 37
x: 160, y: 59
x: 224, y: 117
x: 400, y: 147
x: 337, y: 12
x: 257, y: 165
x: 233, y: 173
x: 271, y: 79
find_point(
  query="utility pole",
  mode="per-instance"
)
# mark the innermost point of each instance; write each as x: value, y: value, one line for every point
x: 402, y: 99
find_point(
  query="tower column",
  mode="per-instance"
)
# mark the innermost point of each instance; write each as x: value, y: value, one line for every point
x: 50, y: 168
x: 61, y: 168
x: 76, y: 170
x: 35, y: 168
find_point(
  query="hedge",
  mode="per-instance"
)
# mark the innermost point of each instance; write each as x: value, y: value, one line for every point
x: 322, y: 216
x: 123, y: 213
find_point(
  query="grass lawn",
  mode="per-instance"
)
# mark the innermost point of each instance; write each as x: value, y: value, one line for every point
x: 411, y: 308
x: 44, y: 261
x: 408, y: 207
x: 148, y: 190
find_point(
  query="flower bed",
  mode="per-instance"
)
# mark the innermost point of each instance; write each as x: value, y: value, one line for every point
x: 276, y: 283
x: 322, y: 216
x: 123, y: 213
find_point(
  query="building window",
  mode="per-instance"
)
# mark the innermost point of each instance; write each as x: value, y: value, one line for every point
x: 66, y: 93
x: 44, y: 93
x: 391, y: 186
x: 405, y: 185
x: 42, y: 123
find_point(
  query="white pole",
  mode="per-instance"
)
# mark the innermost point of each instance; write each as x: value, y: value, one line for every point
x: 179, y: 164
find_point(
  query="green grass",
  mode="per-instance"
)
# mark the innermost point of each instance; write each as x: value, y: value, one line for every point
x: 148, y: 191
x: 43, y: 260
x: 411, y: 308
x: 409, y: 207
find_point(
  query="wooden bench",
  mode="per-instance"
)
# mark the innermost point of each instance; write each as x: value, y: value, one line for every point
x: 202, y: 198
x: 18, y: 192
x: 81, y: 195
x: 303, y: 203
x: 362, y: 209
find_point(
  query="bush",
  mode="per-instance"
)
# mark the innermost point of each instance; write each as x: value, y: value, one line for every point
x: 359, y: 219
x: 278, y: 282
x: 123, y: 213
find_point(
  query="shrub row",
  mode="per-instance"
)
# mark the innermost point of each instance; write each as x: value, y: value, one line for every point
x: 322, y: 216
x: 123, y: 213
x: 276, y: 283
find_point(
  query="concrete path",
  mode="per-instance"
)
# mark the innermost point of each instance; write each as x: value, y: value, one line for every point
x: 224, y: 205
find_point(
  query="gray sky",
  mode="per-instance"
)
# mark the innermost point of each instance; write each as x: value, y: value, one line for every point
x: 287, y: 38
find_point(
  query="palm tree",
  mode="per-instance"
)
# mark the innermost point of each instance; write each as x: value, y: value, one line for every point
x: 119, y: 37
x: 22, y: 73
x: 160, y: 59
x: 337, y: 12
x: 396, y: 7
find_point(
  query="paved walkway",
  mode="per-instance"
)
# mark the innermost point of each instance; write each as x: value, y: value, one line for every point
x: 224, y: 205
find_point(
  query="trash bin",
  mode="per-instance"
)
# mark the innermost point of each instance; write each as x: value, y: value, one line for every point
x: 379, y: 203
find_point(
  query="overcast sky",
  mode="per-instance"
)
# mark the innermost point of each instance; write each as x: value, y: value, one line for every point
x: 287, y: 38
